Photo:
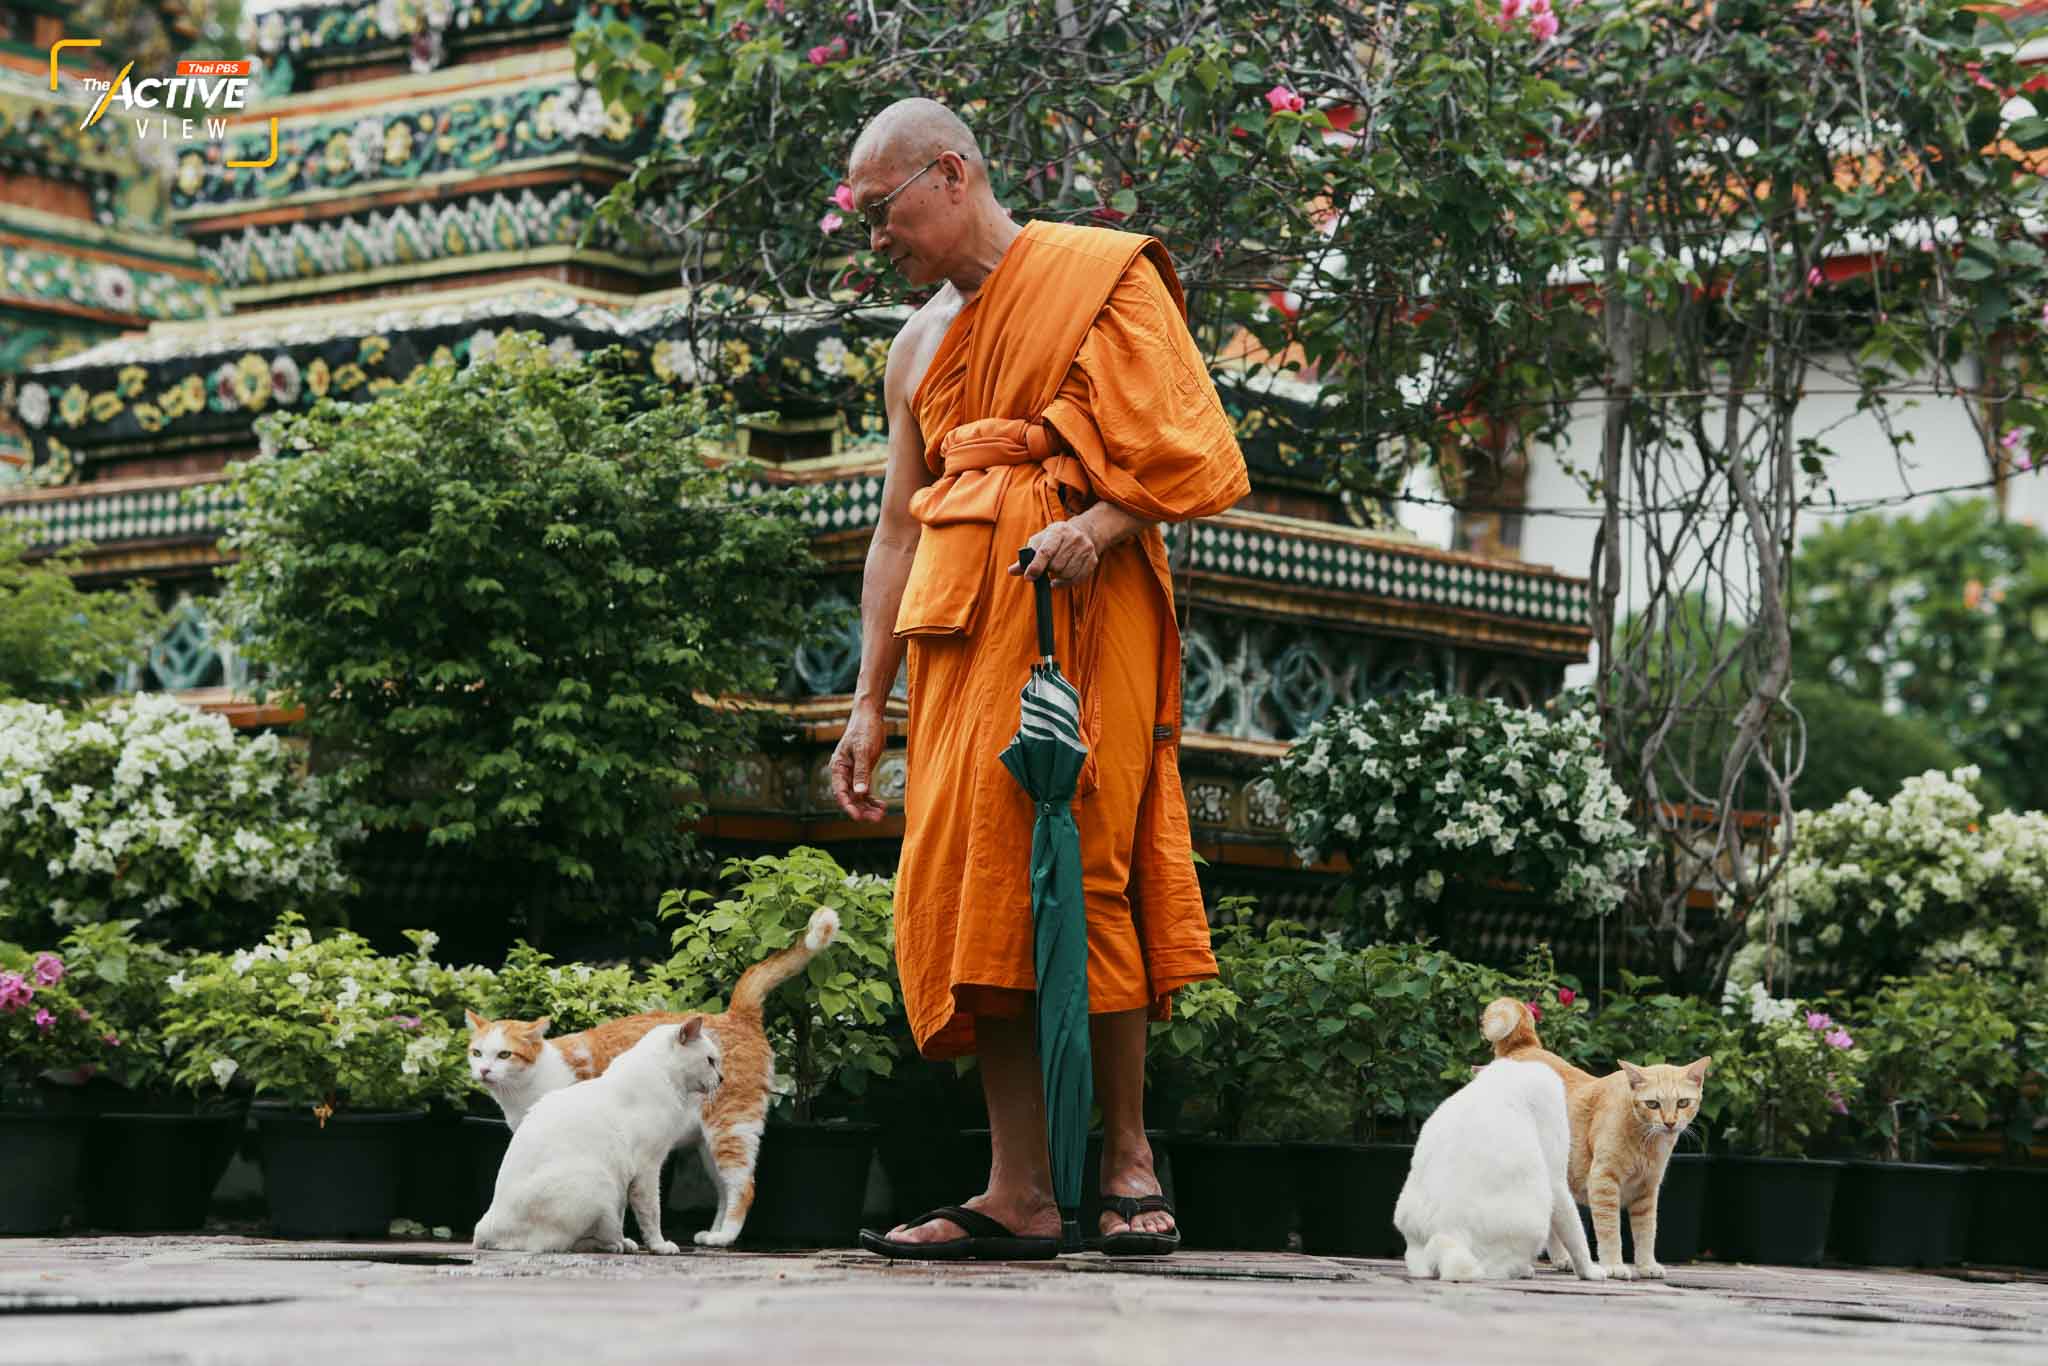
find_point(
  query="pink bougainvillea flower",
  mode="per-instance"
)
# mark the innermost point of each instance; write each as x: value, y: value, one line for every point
x: 843, y: 197
x: 2023, y: 461
x: 853, y: 18
x: 1543, y: 27
x: 111, y: 1040
x: 15, y: 992
x: 1840, y: 1039
x: 44, y: 1019
x: 837, y: 47
x: 1814, y: 277
x: 775, y: 7
x: 831, y: 223
x: 406, y: 1021
x: 1535, y: 1010
x: 1840, y: 1107
x: 49, y: 969
x: 2009, y: 440
x: 820, y: 55
x: 1280, y: 98
x: 84, y: 1014
x: 1565, y: 996
x: 1538, y: 6
x: 1509, y: 9
x: 1817, y: 1021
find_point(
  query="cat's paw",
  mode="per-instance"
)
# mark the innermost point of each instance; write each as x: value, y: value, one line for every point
x: 664, y: 1249
x: 628, y: 1244
x: 715, y: 1238
x: 1593, y: 1272
x: 1620, y: 1271
x: 1650, y: 1271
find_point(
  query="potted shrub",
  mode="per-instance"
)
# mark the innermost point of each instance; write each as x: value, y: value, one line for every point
x: 1420, y: 791
x: 1390, y: 1027
x: 1239, y: 1051
x: 2009, y: 1200
x: 1938, y: 1047
x: 1647, y: 1026
x: 43, y: 1029
x: 1780, y: 1080
x: 830, y: 1029
x: 156, y: 1149
x: 341, y: 1050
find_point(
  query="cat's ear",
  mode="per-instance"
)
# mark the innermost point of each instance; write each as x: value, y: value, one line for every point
x: 476, y: 1021
x: 692, y: 1029
x: 541, y: 1026
x: 1696, y: 1072
x: 1634, y: 1073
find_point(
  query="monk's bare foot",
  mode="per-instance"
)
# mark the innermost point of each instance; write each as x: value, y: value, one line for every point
x: 1130, y: 1172
x: 1026, y: 1216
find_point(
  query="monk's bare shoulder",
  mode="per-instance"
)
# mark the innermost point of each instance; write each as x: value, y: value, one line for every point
x: 910, y: 354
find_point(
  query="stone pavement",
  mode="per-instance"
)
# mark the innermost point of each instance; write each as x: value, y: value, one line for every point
x: 191, y: 1300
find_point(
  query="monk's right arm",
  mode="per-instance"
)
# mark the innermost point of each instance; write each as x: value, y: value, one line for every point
x: 894, y: 546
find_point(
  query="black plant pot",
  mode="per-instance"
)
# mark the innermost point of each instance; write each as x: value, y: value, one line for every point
x: 927, y: 1168
x: 40, y: 1154
x: 1233, y: 1195
x: 438, y: 1187
x: 1772, y: 1210
x: 1901, y: 1214
x: 810, y: 1184
x: 337, y: 1180
x: 2009, y: 1216
x: 1346, y: 1193
x: 1681, y: 1213
x: 486, y: 1139
x: 155, y: 1172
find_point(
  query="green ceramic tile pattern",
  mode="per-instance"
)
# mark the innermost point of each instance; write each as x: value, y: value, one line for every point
x: 408, y: 235
x: 324, y: 27
x: 461, y: 136
x: 35, y: 274
x: 140, y: 515
x: 1385, y: 571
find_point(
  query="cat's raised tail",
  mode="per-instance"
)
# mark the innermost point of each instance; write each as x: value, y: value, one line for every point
x: 1509, y: 1027
x: 771, y: 972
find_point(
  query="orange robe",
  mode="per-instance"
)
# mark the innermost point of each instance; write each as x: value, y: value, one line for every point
x: 1070, y: 376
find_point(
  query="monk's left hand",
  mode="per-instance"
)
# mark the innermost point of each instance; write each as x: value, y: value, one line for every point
x: 1065, y: 552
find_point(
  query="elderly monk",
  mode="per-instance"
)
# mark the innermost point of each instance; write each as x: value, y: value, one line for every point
x: 1048, y: 395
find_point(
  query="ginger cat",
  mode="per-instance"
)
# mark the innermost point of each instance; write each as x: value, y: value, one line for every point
x: 1624, y: 1127
x: 519, y: 1065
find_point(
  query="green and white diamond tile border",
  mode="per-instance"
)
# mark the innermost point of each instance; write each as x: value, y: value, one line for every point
x: 128, y: 515
x: 1236, y: 544
x: 1386, y: 571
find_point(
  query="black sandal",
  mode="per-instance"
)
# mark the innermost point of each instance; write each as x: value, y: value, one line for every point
x: 986, y: 1241
x: 1131, y: 1243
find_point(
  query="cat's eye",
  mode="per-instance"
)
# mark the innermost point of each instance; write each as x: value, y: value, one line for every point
x: 476, y: 1052
x: 1651, y: 1103
x: 1683, y: 1103
x: 504, y: 1053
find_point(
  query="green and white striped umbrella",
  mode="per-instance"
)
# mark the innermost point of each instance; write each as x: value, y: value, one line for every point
x: 1045, y: 758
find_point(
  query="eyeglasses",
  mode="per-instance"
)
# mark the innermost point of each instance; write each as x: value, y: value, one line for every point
x: 876, y: 215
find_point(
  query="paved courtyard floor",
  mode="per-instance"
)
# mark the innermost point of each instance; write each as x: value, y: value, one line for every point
x: 248, y: 1300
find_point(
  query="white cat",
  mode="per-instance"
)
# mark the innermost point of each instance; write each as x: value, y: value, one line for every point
x: 585, y: 1150
x: 1486, y: 1189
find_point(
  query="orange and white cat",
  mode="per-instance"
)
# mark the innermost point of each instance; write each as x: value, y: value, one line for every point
x: 520, y: 1065
x: 1623, y: 1128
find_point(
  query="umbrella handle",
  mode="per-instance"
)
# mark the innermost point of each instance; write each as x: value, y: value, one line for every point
x: 1044, y: 587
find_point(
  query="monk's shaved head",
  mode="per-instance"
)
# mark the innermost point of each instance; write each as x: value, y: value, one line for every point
x: 913, y: 131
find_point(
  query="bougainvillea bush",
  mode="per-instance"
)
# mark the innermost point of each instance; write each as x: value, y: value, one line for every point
x: 154, y: 811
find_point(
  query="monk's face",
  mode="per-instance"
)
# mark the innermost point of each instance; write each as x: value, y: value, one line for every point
x: 921, y: 227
